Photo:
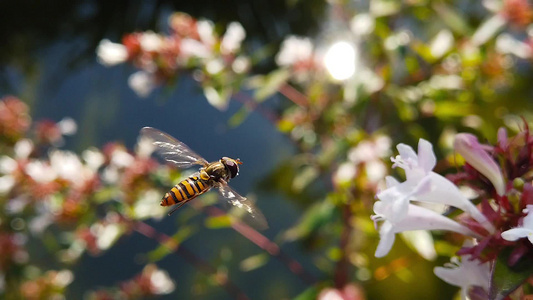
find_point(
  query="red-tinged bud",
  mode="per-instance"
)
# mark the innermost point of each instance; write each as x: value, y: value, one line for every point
x: 476, y: 155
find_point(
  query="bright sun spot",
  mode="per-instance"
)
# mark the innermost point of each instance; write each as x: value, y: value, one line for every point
x: 340, y: 60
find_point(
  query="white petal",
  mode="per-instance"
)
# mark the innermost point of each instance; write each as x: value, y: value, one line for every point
x: 142, y: 83
x: 407, y: 153
x: 233, y: 38
x: 528, y: 219
x: 23, y: 148
x: 6, y: 183
x: 516, y: 233
x: 67, y: 126
x: 488, y: 29
x: 150, y: 41
x: 391, y: 181
x: 110, y: 54
x: 442, y: 42
x: 386, y: 240
x: 426, y: 156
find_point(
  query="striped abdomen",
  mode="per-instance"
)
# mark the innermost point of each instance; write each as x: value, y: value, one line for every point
x: 186, y: 190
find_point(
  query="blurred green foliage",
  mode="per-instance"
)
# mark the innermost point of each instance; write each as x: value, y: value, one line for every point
x: 423, y: 69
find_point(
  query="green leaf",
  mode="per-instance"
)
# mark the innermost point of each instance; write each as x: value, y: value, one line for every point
x: 163, y: 250
x: 310, y: 293
x: 313, y: 219
x: 254, y: 262
x: 452, y: 18
x: 223, y: 221
x: 268, y: 85
x: 506, y: 279
x: 238, y: 117
x: 304, y: 178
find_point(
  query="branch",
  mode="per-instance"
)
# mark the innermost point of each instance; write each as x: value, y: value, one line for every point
x: 264, y: 243
x: 163, y: 239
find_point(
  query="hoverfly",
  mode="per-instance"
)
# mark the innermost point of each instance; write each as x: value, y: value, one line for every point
x: 211, y: 174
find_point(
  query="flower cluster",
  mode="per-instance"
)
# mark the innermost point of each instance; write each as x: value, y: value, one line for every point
x: 151, y: 282
x: 500, y: 178
x: 192, y: 46
x: 43, y: 187
x: 50, y: 285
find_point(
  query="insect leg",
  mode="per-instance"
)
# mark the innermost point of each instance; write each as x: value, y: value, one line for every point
x: 176, y: 208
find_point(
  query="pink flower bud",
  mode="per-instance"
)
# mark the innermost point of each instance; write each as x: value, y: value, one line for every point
x: 475, y: 155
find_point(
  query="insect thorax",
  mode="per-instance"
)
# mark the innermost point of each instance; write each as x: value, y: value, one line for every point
x: 216, y: 171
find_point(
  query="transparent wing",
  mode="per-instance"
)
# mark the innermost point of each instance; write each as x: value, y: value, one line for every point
x: 171, y: 149
x: 253, y: 215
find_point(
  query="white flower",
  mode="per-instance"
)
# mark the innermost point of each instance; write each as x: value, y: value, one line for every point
x: 506, y: 43
x: 231, y: 42
x: 93, y: 158
x: 526, y: 230
x: 370, y: 150
x: 144, y: 147
x: 144, y: 207
x: 110, y: 54
x: 193, y: 48
x: 162, y: 282
x: 7, y: 182
x: 217, y: 98
x: 465, y: 274
x: 106, y: 235
x: 375, y: 171
x: 416, y: 218
x: 151, y: 41
x: 142, y: 83
x: 23, y: 148
x: 362, y: 24
x: 67, y: 126
x: 40, y: 171
x: 345, y: 172
x: 121, y: 158
x: 442, y: 43
x: 205, y: 31
x: 424, y: 185
x: 67, y: 165
x: 241, y: 64
x: 294, y: 49
x: 214, y: 66
x: 7, y: 164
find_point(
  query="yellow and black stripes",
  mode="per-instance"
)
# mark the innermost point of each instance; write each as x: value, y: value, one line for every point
x: 185, y: 190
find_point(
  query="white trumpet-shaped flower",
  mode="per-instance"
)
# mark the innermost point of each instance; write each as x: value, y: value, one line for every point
x: 526, y: 230
x: 416, y: 218
x: 422, y: 184
x: 465, y: 274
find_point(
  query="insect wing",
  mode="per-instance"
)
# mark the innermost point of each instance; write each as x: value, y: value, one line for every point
x: 171, y: 149
x: 253, y: 215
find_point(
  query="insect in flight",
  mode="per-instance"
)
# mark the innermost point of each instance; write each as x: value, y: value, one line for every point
x: 211, y: 174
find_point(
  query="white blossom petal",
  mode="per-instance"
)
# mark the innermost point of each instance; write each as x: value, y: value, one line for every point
x: 417, y: 218
x: 233, y: 38
x: 465, y: 274
x: 110, y: 54
x: 142, y: 83
x: 526, y: 230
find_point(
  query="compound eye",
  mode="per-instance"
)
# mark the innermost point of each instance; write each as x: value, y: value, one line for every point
x: 232, y: 166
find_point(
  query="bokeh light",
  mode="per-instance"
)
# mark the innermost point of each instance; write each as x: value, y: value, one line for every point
x: 340, y: 60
